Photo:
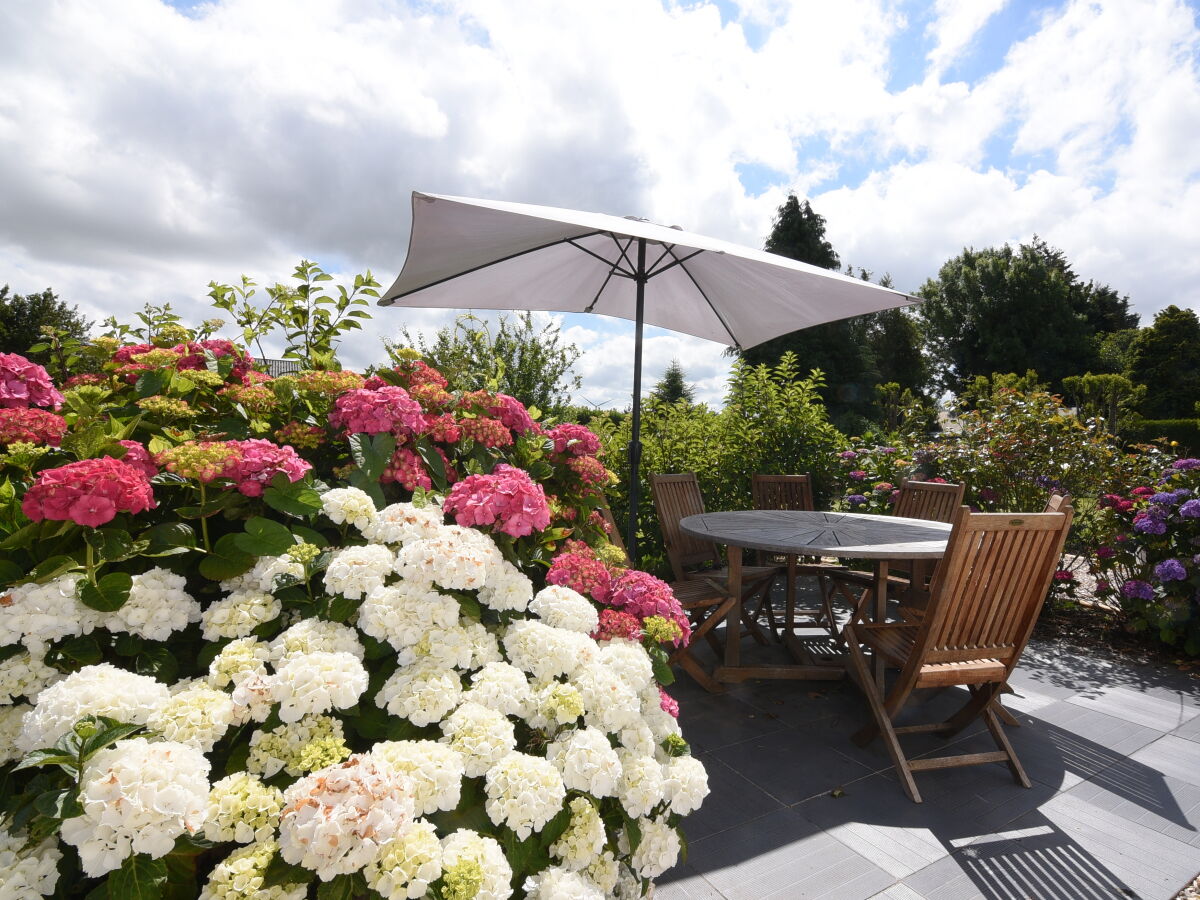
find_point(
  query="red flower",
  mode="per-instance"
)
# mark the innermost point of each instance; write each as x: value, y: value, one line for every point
x: 89, y: 492
x: 34, y: 426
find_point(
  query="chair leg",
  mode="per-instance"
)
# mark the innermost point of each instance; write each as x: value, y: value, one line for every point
x: 979, y: 700
x: 688, y: 663
x: 683, y: 656
x: 883, y: 723
x: 1001, y: 739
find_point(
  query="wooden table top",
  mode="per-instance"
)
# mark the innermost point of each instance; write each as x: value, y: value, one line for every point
x: 838, y: 534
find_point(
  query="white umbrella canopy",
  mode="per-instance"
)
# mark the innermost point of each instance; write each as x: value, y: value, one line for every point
x: 490, y: 254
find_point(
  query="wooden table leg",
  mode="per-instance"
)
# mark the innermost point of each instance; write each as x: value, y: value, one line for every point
x: 880, y: 611
x: 733, y: 619
x: 789, y: 600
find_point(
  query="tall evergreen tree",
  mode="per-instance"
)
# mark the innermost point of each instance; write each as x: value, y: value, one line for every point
x: 673, y: 386
x: 798, y: 232
x: 1166, y: 358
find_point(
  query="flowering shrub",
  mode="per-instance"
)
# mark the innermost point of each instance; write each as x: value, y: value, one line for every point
x: 231, y: 667
x: 870, y: 477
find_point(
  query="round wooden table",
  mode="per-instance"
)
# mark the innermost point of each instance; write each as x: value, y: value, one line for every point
x: 797, y: 533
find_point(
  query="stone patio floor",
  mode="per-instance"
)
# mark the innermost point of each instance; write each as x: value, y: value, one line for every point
x: 798, y: 811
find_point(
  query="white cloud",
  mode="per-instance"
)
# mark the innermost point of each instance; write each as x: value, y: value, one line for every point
x: 957, y: 24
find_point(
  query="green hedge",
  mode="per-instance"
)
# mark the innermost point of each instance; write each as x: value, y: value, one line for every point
x: 1184, y: 431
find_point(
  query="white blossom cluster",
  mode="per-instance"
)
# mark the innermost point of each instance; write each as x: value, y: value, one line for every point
x: 101, y: 690
x: 408, y: 865
x: 38, y: 614
x: 523, y: 792
x: 242, y: 876
x: 238, y: 614
x: 401, y: 523
x: 350, y: 505
x: 27, y: 871
x: 357, y: 571
x: 243, y: 809
x: 157, y: 606
x: 453, y: 557
x: 469, y: 858
x: 198, y: 715
x: 25, y: 675
x: 316, y: 635
x: 262, y: 575
x: 564, y: 608
x: 318, y: 682
x: 436, y: 771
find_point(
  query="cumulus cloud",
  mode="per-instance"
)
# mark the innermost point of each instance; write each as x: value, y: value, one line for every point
x: 146, y: 150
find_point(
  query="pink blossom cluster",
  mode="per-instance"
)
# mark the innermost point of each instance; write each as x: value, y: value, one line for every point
x: 24, y: 384
x: 34, y: 426
x: 375, y: 412
x: 616, y: 623
x: 507, y: 500
x: 583, y: 573
x: 443, y: 428
x: 124, y: 355
x: 192, y: 356
x: 644, y: 595
x: 90, y: 492
x: 513, y: 414
x: 259, y: 461
x: 407, y: 470
x: 138, y: 456
x: 485, y: 431
x: 574, y: 439
x: 668, y: 703
x: 589, y: 469
x: 84, y: 378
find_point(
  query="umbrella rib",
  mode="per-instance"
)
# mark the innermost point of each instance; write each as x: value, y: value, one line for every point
x: 614, y: 264
x: 678, y: 261
x: 716, y: 312
x: 495, y: 262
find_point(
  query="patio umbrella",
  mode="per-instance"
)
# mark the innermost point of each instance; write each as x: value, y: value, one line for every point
x: 489, y: 254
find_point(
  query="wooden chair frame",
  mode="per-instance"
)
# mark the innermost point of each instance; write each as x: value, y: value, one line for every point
x: 985, y: 598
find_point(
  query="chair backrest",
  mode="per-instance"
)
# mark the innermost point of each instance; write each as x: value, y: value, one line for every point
x: 929, y: 500
x: 1057, y: 502
x: 675, y: 498
x: 781, y: 492
x: 990, y: 586
x: 610, y: 525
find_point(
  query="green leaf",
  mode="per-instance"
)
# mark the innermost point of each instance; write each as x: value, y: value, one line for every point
x: 111, y: 543
x: 556, y: 826
x: 51, y: 568
x: 434, y: 463
x: 108, y: 593
x: 150, y: 383
x: 298, y: 499
x: 662, y: 668
x: 226, y: 560
x: 341, y: 608
x: 372, y: 453
x: 342, y: 887
x: 10, y: 571
x: 21, y: 538
x: 527, y: 855
x: 110, y: 734
x: 83, y: 650
x: 60, y: 804
x: 48, y: 757
x: 169, y: 536
x: 139, y: 878
x: 359, y: 480
x: 264, y: 538
x: 280, y: 873
x: 159, y: 662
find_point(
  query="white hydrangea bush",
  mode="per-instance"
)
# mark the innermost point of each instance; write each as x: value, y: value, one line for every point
x: 404, y: 713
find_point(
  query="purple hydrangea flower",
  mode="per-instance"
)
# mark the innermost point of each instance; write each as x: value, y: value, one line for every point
x: 1170, y: 570
x: 1147, y: 524
x: 1190, y: 510
x: 858, y: 475
x: 1139, y: 589
x: 856, y: 499
x: 848, y: 454
x: 1185, y: 464
x: 893, y: 450
x: 1167, y: 497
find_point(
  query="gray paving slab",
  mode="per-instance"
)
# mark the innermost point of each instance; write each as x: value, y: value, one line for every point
x: 717, y: 721
x: 685, y: 883
x: 734, y: 800
x: 1172, y: 755
x: 1146, y: 797
x: 1159, y: 713
x: 1189, y: 730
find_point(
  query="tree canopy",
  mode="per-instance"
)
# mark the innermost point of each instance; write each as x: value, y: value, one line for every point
x: 673, y: 386
x: 1166, y: 357
x: 22, y: 318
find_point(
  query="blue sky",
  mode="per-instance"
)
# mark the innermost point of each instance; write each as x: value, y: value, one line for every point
x: 148, y: 148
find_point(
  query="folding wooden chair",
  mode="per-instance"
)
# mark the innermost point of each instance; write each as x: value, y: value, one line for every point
x: 704, y: 600
x: 678, y: 496
x: 795, y: 492
x: 984, y: 600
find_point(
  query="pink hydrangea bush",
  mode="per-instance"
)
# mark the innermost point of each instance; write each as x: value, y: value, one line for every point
x: 384, y: 409
x: 90, y: 492
x: 34, y: 426
x: 24, y: 384
x: 507, y: 500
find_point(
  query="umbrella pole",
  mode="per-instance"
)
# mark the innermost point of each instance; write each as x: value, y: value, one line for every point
x: 635, y: 442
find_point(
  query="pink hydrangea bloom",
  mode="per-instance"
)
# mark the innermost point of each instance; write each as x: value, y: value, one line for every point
x: 126, y: 353
x: 616, y: 623
x: 589, y: 469
x: 644, y: 595
x: 375, y: 412
x: 583, y: 573
x: 138, y: 456
x: 668, y: 703
x: 192, y: 356
x: 443, y: 428
x: 34, y: 426
x: 259, y: 461
x: 408, y: 470
x: 24, y: 384
x: 90, y: 492
x: 574, y: 439
x: 485, y: 431
x: 513, y: 414
x: 507, y: 500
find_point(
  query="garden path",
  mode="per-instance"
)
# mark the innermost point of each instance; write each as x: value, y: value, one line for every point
x: 798, y: 811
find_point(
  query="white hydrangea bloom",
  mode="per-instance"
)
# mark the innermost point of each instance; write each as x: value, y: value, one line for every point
x: 502, y: 687
x: 241, y: 808
x: 483, y: 736
x: 238, y: 614
x: 587, y: 762
x: 545, y: 651
x: 484, y: 646
x: 336, y: 820
x: 422, y: 693
x: 157, y: 606
x: 298, y: 747
x: 583, y: 841
x: 641, y: 786
x: 408, y: 865
x: 555, y: 704
x: 403, y: 613
x: 629, y: 660
x: 404, y: 522
x: 312, y: 635
x: 685, y: 784
x: 455, y: 558
x: 238, y: 660
x: 562, y: 607
x: 605, y: 872
x: 317, y: 683
x: 657, y: 851
x: 608, y: 702
x: 349, y: 504
x: 253, y: 697
x: 137, y: 797
x: 557, y: 883
x: 25, y: 675
x: 100, y: 690
x: 198, y: 715
x: 38, y: 614
x: 469, y: 858
x: 629, y: 886
x: 660, y: 722
x: 27, y: 872
x: 507, y: 588
x: 261, y: 577
x: 241, y: 874
x: 355, y: 572
x: 436, y: 771
x: 523, y: 792
x: 638, y: 737
x: 449, y: 648
x: 10, y: 731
